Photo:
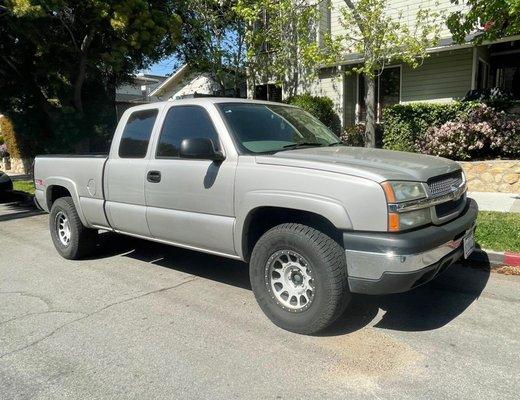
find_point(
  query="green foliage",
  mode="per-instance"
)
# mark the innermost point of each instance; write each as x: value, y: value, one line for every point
x: 498, y: 231
x: 493, y: 97
x: 321, y: 107
x: 281, y: 42
x: 382, y: 40
x: 213, y: 40
x: 2, y: 140
x: 61, y: 60
x: 498, y: 18
x: 404, y: 124
x: 354, y: 136
x: 24, y: 186
x: 9, y: 137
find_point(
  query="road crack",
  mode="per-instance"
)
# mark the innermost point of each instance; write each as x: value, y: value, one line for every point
x: 88, y: 315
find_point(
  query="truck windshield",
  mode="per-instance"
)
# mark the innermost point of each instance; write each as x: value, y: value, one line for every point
x: 267, y: 128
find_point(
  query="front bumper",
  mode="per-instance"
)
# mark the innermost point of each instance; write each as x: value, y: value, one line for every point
x: 382, y: 263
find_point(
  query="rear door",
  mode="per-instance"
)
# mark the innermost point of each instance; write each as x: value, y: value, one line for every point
x: 125, y: 172
x: 191, y: 202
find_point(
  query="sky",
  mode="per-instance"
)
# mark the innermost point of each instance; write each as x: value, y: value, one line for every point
x: 163, y: 67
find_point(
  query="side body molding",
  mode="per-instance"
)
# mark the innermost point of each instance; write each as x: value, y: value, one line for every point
x: 329, y: 208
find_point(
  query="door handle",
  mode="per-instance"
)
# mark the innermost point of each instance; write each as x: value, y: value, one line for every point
x: 153, y: 176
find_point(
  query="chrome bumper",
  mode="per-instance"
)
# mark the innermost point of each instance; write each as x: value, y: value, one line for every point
x: 369, y: 265
x: 385, y: 262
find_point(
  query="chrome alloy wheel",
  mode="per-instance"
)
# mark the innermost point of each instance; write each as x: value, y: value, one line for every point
x: 289, y: 280
x: 63, y: 227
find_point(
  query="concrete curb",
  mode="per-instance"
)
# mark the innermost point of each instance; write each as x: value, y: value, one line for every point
x: 496, y: 258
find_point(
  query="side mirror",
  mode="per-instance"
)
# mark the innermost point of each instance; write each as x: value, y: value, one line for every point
x: 201, y: 149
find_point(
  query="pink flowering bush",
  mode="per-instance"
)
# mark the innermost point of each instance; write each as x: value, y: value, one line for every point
x: 481, y: 132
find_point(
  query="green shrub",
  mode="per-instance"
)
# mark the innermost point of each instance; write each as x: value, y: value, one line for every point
x: 354, y: 135
x: 2, y: 141
x: 405, y: 124
x: 321, y: 107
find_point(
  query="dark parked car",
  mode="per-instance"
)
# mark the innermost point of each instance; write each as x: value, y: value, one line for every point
x: 5, y: 183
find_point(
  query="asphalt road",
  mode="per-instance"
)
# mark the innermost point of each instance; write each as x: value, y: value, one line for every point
x: 146, y: 321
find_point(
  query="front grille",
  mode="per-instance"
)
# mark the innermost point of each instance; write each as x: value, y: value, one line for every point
x: 449, y: 207
x: 441, y: 185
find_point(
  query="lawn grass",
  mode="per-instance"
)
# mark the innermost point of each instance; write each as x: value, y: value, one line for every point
x: 24, y: 186
x: 498, y: 231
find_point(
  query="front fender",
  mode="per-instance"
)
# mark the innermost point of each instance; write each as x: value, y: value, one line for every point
x: 330, y: 209
x: 71, y: 187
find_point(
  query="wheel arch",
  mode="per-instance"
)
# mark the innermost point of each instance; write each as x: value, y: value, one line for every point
x: 62, y: 187
x: 260, y: 211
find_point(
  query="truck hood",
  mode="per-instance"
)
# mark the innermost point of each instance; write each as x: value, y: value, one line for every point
x: 375, y: 164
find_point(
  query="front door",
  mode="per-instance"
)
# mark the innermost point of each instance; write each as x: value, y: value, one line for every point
x: 190, y: 202
x: 125, y: 174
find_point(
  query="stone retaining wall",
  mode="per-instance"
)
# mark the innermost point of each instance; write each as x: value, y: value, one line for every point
x: 493, y: 176
x: 17, y: 166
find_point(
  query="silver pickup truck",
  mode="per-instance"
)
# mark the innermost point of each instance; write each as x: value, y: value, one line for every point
x: 268, y: 184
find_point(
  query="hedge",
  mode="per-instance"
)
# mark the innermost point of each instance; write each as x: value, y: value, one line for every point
x: 405, y: 124
x: 459, y: 130
x: 321, y: 107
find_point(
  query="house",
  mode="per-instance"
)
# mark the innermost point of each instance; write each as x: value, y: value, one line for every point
x: 137, y: 92
x: 449, y: 73
x: 188, y: 82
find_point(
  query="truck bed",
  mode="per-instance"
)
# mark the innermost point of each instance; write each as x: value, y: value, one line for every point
x: 82, y: 175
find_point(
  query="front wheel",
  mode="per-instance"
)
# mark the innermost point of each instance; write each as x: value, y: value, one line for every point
x: 299, y: 278
x: 70, y: 237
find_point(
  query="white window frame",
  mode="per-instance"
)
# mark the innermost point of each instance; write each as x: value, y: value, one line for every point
x: 378, y: 101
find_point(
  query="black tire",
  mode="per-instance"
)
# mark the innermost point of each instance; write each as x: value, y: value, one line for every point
x: 329, y: 275
x: 81, y: 239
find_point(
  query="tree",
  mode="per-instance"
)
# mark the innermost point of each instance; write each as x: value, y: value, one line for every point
x: 61, y: 61
x: 214, y: 41
x: 382, y: 40
x: 281, y: 42
x: 491, y: 18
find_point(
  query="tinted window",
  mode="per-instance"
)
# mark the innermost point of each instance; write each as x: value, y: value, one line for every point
x: 184, y: 122
x: 136, y: 134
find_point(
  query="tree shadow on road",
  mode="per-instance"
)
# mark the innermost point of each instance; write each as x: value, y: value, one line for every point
x: 16, y: 205
x: 427, y: 307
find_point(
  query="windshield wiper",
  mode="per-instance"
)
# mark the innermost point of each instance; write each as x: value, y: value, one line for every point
x: 335, y: 144
x: 303, y: 144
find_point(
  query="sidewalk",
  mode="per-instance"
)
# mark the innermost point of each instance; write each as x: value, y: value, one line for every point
x: 492, y: 201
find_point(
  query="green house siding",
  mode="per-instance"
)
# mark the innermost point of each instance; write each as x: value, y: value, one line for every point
x: 444, y: 76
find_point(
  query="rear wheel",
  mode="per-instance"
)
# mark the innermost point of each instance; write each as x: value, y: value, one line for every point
x: 70, y: 237
x: 299, y: 278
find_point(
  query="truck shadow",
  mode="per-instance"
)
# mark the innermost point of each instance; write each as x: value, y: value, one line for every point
x: 16, y: 205
x: 427, y: 307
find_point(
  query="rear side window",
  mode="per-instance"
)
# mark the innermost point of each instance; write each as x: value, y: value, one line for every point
x: 185, y: 122
x: 136, y: 135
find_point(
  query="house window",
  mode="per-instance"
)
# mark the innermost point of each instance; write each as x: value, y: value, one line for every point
x: 269, y: 91
x: 387, y: 92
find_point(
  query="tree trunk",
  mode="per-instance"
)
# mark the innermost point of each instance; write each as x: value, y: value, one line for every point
x: 80, y: 78
x: 370, y: 104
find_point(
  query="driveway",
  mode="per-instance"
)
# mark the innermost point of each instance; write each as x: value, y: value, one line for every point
x: 146, y: 321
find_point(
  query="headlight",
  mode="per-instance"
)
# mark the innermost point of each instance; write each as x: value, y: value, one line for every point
x: 397, y: 193
x: 412, y: 219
